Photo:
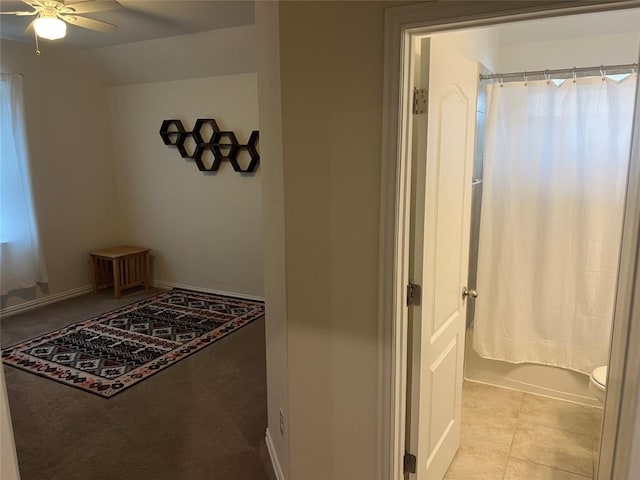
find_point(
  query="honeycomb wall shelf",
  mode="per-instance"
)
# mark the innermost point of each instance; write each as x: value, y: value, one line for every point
x: 207, y: 136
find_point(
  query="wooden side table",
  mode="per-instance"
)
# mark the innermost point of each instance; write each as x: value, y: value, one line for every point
x: 123, y: 267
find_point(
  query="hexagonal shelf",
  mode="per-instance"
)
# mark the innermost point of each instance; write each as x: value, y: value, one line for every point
x: 188, y: 151
x: 199, y: 127
x: 172, y: 137
x: 223, y: 144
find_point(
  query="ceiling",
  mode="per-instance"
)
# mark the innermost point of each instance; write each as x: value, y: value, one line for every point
x: 138, y: 20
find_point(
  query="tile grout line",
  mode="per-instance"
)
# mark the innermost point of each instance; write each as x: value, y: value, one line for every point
x: 556, y: 427
x: 520, y: 421
x: 559, y: 469
x: 573, y: 432
x: 513, y: 436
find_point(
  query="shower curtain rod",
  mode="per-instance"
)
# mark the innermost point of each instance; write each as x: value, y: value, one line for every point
x: 561, y: 73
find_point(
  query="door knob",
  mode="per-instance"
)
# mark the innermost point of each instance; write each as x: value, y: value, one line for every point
x: 469, y: 293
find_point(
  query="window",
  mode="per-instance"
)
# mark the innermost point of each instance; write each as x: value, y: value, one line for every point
x: 21, y: 259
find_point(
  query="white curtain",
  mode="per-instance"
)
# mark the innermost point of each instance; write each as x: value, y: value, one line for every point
x: 555, y: 174
x: 21, y: 257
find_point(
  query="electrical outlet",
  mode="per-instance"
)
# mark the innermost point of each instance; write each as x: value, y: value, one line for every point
x: 281, y: 423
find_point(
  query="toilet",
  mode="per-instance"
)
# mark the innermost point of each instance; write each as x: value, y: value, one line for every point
x: 598, y: 383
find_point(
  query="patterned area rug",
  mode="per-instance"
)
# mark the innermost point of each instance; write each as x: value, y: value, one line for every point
x: 113, y: 351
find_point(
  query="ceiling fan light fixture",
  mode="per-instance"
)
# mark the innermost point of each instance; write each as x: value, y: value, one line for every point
x: 50, y: 27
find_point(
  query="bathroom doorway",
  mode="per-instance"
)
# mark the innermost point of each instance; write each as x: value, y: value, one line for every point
x: 549, y: 181
x: 551, y: 163
x: 452, y: 347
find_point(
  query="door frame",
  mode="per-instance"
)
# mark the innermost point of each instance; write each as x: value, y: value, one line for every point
x: 401, y: 24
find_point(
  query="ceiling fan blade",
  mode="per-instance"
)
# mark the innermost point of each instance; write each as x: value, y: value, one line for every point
x: 32, y: 3
x: 89, y: 23
x: 92, y: 6
x: 20, y: 14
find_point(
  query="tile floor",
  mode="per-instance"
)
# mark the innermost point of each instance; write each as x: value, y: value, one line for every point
x: 511, y: 435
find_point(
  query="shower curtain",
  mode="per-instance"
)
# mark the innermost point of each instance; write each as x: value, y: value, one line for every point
x: 553, y: 198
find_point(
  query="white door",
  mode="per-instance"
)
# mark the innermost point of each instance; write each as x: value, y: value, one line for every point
x: 442, y: 164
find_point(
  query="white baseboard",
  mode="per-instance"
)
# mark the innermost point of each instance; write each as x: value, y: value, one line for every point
x: 46, y: 300
x: 168, y: 285
x: 274, y: 456
x: 76, y: 292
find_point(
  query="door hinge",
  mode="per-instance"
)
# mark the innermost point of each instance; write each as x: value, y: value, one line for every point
x: 419, y: 100
x: 410, y: 462
x: 414, y: 295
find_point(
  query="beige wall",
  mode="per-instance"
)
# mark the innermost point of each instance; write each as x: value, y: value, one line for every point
x: 8, y: 459
x: 331, y: 112
x: 331, y: 69
x: 70, y: 144
x: 225, y: 51
x: 205, y: 229
x: 69, y: 124
x: 268, y: 66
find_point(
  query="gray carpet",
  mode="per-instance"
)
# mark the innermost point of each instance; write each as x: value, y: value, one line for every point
x: 201, y: 419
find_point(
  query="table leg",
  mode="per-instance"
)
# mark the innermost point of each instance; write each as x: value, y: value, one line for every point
x: 94, y: 271
x: 147, y: 271
x: 116, y: 277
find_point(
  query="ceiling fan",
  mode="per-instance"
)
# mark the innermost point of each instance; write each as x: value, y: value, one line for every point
x: 52, y: 16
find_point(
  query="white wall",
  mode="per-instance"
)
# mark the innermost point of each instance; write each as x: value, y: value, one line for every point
x: 205, y: 229
x: 584, y: 51
x: 604, y: 38
x: 479, y: 44
x: 69, y: 132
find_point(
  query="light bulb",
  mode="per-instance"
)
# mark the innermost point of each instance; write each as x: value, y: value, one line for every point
x: 50, y: 27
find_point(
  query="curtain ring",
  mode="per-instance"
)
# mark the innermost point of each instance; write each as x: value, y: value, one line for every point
x: 603, y: 73
x: 525, y: 78
x: 547, y: 76
x: 501, y: 80
x: 573, y: 74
